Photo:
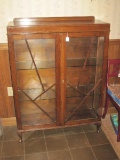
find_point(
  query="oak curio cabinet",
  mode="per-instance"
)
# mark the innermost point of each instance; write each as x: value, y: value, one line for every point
x: 58, y: 69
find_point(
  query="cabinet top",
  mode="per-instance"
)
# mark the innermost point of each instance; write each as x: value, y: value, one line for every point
x: 52, y: 20
x: 56, y: 24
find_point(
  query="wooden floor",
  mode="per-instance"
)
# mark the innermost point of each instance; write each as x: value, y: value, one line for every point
x: 109, y: 131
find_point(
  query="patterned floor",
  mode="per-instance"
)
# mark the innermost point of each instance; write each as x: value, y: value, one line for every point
x: 74, y: 143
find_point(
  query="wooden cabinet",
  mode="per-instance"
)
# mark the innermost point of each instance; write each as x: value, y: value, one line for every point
x: 58, y: 68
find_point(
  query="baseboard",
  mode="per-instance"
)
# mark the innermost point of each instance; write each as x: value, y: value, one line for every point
x: 9, y: 121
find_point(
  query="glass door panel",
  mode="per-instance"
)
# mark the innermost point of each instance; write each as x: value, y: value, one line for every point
x: 36, y: 83
x: 84, y: 58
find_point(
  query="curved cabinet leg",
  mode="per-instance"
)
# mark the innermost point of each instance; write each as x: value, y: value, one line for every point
x: 20, y: 136
x: 98, y: 127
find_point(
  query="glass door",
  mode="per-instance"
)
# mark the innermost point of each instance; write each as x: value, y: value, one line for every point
x: 35, y: 94
x: 84, y: 59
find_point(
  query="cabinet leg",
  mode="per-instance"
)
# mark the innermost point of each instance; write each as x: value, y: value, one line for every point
x: 98, y: 127
x: 20, y: 136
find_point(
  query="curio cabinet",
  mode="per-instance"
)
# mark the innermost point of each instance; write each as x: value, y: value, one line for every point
x: 58, y: 71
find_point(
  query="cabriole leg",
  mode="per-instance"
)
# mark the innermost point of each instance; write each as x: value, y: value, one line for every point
x: 98, y: 127
x: 20, y: 136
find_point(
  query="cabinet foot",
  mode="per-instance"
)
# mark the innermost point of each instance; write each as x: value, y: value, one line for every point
x: 98, y: 131
x: 20, y: 140
x: 98, y: 127
x: 20, y: 136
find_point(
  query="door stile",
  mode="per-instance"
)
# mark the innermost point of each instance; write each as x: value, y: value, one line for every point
x: 57, y: 75
x: 14, y: 82
x: 62, y: 79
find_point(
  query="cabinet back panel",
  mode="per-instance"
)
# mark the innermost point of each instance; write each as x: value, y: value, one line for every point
x: 33, y: 93
x: 74, y: 74
x: 28, y: 79
x: 28, y: 107
x: 42, y: 49
x: 79, y: 47
x: 36, y: 119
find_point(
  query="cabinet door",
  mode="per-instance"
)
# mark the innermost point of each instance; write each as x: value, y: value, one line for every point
x: 84, y: 63
x: 34, y: 70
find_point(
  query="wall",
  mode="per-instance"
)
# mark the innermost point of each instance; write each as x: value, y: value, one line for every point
x: 105, y: 10
x: 6, y: 102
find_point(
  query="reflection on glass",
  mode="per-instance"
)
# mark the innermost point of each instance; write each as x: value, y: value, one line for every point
x: 84, y: 77
x: 35, y: 64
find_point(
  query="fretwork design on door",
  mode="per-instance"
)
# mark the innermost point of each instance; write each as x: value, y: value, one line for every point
x: 82, y: 89
x: 44, y: 92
